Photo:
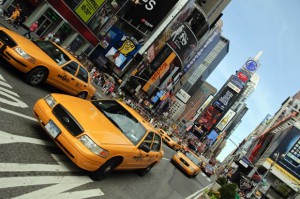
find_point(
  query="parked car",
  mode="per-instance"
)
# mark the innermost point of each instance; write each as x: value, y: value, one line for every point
x: 188, y: 161
x: 100, y: 135
x: 44, y: 61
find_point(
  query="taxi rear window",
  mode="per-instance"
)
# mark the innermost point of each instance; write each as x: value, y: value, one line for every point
x: 122, y: 119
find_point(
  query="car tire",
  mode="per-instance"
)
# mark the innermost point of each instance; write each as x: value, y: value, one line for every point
x: 142, y: 172
x: 82, y: 95
x: 108, y: 167
x: 36, y: 76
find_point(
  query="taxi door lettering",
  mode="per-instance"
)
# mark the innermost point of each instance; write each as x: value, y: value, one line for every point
x: 63, y: 78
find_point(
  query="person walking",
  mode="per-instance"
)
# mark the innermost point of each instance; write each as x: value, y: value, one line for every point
x: 14, y: 15
x: 32, y: 28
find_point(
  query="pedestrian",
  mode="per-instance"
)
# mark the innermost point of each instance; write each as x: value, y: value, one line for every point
x: 32, y: 28
x: 16, y: 13
x: 50, y: 36
x: 56, y: 40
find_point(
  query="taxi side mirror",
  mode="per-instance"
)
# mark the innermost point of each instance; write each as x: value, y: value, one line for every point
x: 144, y: 147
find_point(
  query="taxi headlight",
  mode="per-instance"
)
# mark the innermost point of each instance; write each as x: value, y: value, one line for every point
x: 22, y: 53
x: 50, y: 101
x: 191, y: 168
x: 92, y: 146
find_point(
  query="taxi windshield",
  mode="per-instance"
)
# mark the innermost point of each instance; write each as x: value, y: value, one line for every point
x: 122, y: 119
x: 192, y: 157
x: 53, y: 51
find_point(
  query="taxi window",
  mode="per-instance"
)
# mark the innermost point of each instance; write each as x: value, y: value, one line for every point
x: 122, y: 119
x: 83, y: 74
x: 53, y: 51
x: 156, y: 143
x: 71, y: 67
x: 148, y: 140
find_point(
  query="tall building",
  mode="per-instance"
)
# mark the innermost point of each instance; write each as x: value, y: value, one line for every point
x: 195, y: 80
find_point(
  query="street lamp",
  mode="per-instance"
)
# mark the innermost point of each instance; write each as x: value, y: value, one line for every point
x: 276, y: 156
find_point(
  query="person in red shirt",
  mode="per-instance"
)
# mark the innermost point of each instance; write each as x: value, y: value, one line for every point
x: 32, y: 28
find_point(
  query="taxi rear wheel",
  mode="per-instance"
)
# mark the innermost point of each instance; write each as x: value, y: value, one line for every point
x: 36, y: 76
x: 142, y: 172
x: 105, y: 169
x: 82, y: 95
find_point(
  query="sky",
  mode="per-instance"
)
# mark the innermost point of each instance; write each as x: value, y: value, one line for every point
x: 273, y: 27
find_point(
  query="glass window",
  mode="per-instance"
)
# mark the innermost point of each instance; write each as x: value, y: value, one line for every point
x: 53, y: 51
x: 83, y: 74
x: 156, y: 143
x: 148, y: 139
x: 122, y: 119
x: 71, y: 67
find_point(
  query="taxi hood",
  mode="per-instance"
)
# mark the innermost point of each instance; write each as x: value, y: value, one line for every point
x: 94, y: 123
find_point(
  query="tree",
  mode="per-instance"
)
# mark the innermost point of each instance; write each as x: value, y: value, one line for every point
x: 228, y: 191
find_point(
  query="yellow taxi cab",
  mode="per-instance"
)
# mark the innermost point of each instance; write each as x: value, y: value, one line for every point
x: 100, y: 135
x: 44, y: 61
x: 188, y: 161
x: 171, y: 140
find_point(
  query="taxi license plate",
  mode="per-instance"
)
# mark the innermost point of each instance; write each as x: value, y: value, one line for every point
x: 52, y: 129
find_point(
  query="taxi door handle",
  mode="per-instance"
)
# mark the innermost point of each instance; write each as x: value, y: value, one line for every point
x: 72, y: 78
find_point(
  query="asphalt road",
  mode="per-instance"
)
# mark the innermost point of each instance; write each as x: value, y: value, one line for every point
x: 31, y: 166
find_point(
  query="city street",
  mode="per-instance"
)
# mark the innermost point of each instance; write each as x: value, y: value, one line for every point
x: 31, y: 166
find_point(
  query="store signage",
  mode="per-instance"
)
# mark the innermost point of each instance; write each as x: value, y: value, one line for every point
x: 148, y: 13
x: 237, y: 82
x: 87, y: 8
x: 233, y: 87
x: 242, y: 77
x: 183, y: 41
x: 251, y: 66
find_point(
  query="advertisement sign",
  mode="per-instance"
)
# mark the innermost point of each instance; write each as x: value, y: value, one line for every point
x: 213, y: 136
x: 251, y: 66
x: 202, y: 52
x: 209, y: 118
x: 148, y: 13
x: 237, y: 82
x: 183, y: 96
x: 87, y: 8
x: 225, y: 120
x: 164, y: 67
x: 225, y: 98
x: 183, y: 42
x: 205, y: 104
x: 288, y: 148
x: 243, y: 77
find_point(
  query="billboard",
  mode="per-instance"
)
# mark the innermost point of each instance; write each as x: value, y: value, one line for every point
x: 288, y: 147
x: 183, y: 96
x: 87, y: 8
x: 183, y: 42
x: 148, y: 13
x: 225, y: 120
x: 205, y: 104
x: 225, y: 98
x: 209, y: 118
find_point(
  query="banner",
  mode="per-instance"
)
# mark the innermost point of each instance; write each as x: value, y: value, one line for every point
x: 183, y: 42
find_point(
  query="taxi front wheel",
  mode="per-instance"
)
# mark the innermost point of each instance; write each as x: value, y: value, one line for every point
x: 36, y: 76
x: 105, y: 169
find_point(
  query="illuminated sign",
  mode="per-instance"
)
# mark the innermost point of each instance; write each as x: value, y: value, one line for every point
x: 225, y: 120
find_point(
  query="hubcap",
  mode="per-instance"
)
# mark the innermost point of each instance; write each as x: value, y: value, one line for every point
x: 107, y: 169
x: 37, y: 77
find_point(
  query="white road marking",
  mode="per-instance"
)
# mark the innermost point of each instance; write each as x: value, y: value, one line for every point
x: 9, y: 97
x: 17, y: 114
x: 10, y: 138
x: 166, y: 159
x: 79, y: 194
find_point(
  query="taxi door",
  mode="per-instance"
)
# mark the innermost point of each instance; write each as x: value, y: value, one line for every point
x: 139, y: 158
x: 82, y: 79
x: 65, y: 77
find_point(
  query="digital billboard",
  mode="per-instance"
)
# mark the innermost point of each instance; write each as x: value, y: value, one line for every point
x: 225, y: 120
x: 209, y: 118
x: 226, y: 97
